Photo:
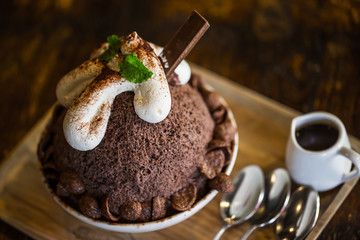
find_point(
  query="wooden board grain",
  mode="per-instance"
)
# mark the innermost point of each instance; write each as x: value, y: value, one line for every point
x: 263, y: 131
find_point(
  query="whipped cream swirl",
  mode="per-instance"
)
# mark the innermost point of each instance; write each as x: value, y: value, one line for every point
x: 90, y: 89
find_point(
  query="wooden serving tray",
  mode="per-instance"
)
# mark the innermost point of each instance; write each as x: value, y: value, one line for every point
x: 263, y: 127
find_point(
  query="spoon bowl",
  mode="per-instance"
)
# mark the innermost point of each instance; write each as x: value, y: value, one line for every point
x: 277, y: 195
x: 242, y: 203
x: 300, y: 215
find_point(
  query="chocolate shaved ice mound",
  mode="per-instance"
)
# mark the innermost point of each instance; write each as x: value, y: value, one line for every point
x: 139, y: 167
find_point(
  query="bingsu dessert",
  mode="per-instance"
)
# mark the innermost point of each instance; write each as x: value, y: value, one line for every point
x: 126, y: 144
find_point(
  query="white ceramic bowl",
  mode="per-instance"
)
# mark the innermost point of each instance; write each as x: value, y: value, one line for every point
x: 161, y: 223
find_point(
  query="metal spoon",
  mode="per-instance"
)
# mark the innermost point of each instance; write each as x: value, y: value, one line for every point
x: 241, y: 204
x: 277, y: 195
x: 300, y: 215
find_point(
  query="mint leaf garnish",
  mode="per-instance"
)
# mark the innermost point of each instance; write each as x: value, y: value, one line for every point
x: 114, y: 48
x: 114, y: 42
x: 107, y: 55
x: 133, y: 70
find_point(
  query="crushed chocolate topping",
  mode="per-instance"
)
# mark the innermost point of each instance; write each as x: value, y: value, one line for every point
x: 71, y: 182
x: 219, y: 115
x: 212, y: 100
x: 216, y: 160
x: 207, y: 170
x: 61, y: 190
x: 146, y: 210
x: 131, y: 211
x: 89, y: 207
x: 217, y: 144
x: 225, y: 131
x: 222, y: 183
x: 159, y: 208
x: 105, y: 210
x: 183, y: 200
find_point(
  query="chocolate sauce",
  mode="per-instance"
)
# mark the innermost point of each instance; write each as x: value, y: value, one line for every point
x: 317, y: 136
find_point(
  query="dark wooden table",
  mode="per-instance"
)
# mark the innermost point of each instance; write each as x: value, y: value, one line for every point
x: 304, y: 54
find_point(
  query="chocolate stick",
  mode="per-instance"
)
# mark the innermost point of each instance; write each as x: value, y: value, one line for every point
x: 182, y: 42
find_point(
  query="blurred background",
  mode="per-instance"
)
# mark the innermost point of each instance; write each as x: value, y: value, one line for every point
x: 304, y: 54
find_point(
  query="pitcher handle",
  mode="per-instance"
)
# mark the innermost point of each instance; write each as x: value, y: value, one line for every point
x: 354, y: 157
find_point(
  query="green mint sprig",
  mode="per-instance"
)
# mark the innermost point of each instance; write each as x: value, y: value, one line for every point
x: 133, y: 70
x: 114, y: 48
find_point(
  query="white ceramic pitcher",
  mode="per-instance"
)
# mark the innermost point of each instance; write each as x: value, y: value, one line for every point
x: 326, y: 168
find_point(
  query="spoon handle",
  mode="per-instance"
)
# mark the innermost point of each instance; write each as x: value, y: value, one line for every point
x: 220, y: 232
x: 248, y: 232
